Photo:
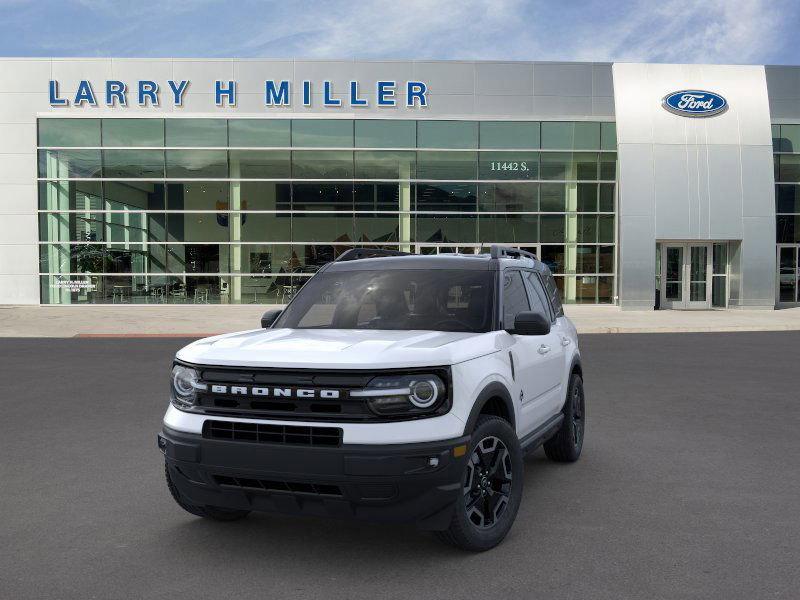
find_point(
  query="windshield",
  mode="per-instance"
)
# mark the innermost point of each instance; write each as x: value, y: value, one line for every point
x: 438, y: 300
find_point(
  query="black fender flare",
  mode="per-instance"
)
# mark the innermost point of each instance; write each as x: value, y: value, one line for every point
x: 494, y: 389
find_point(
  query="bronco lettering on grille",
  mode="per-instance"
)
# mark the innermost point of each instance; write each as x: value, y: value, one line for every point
x: 275, y: 392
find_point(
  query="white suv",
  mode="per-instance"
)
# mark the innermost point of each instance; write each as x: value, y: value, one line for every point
x: 393, y: 387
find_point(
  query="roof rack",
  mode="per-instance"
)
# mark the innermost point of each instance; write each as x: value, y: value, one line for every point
x: 508, y: 252
x: 359, y: 253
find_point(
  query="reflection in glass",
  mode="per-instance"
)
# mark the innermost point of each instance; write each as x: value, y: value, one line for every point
x: 323, y: 227
x: 447, y: 134
x: 508, y: 197
x: 447, y: 165
x: 69, y: 132
x: 318, y: 196
x: 385, y: 165
x: 62, y: 164
x: 509, y: 228
x: 133, y: 164
x: 508, y: 165
x: 446, y: 228
x: 385, y: 133
x: 198, y: 195
x: 199, y: 164
x: 260, y: 164
x: 133, y: 132
x: 509, y: 134
x: 196, y: 132
x: 321, y: 164
x: 459, y: 197
x: 259, y: 133
x: 322, y: 133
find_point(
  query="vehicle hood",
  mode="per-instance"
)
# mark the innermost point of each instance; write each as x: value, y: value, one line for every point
x: 338, y: 348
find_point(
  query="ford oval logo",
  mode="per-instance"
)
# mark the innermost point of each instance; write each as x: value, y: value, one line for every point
x: 695, y: 103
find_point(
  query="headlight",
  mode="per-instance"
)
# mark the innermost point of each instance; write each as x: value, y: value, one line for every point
x: 185, y: 383
x: 410, y: 395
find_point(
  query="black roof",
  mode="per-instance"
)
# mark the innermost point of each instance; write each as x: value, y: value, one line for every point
x: 478, y: 262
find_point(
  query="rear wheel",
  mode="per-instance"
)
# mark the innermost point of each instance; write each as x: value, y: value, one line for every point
x: 491, y: 488
x: 207, y: 512
x: 566, y: 444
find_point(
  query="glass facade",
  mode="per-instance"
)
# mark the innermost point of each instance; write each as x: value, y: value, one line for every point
x: 786, y: 149
x: 246, y: 210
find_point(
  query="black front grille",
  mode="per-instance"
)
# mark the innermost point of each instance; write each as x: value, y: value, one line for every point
x: 287, y: 487
x: 264, y: 433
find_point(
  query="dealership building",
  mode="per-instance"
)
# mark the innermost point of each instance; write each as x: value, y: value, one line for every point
x: 183, y: 181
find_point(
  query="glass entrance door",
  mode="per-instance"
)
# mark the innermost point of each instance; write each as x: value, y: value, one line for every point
x: 686, y: 276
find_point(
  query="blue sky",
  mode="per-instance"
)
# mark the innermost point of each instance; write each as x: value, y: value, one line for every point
x: 690, y: 31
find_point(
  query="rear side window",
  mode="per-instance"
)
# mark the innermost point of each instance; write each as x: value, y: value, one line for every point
x: 537, y: 295
x: 552, y: 292
x: 515, y: 298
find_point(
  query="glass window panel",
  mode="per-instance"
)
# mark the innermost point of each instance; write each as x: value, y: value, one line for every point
x: 509, y: 134
x: 133, y: 132
x: 787, y: 229
x: 197, y: 163
x: 515, y: 298
x: 259, y: 133
x: 269, y: 289
x: 586, y: 259
x: 508, y: 165
x: 317, y: 196
x: 585, y: 289
x: 553, y: 197
x: 587, y: 229
x: 377, y: 227
x: 196, y: 132
x: 198, y: 195
x: 605, y: 263
x: 322, y: 133
x: 260, y: 164
x: 460, y: 197
x: 198, y: 258
x: 787, y: 198
x: 447, y: 165
x: 790, y: 138
x: 508, y: 197
x: 718, y: 292
x: 70, y: 195
x: 608, y: 136
x: 69, y: 132
x: 788, y: 288
x: 322, y: 227
x: 720, y: 259
x: 587, y: 136
x: 605, y: 229
x: 553, y: 257
x: 385, y: 133
x: 776, y: 138
x: 508, y: 228
x: 558, y: 135
x: 148, y: 164
x: 262, y: 195
x: 587, y: 197
x: 71, y: 258
x: 198, y: 227
x: 605, y: 290
x: 318, y: 164
x: 381, y: 196
x: 446, y: 228
x: 61, y: 164
x: 447, y: 134
x: 552, y: 228
x: 776, y: 164
x: 608, y: 166
x: 788, y: 261
x: 265, y: 227
x: 127, y: 227
x: 556, y: 165
x: 585, y: 166
x: 789, y: 170
x: 606, y: 197
x: 308, y: 258
x: 133, y: 195
x: 385, y: 165
x: 76, y: 227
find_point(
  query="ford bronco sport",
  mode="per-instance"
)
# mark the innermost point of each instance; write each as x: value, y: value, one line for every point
x: 396, y: 388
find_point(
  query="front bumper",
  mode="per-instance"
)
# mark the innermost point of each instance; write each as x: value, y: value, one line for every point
x: 402, y: 483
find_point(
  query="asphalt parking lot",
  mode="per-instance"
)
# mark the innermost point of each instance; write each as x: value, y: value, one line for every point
x: 689, y: 487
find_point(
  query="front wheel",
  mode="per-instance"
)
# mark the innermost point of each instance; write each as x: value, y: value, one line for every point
x: 566, y: 444
x: 491, y: 488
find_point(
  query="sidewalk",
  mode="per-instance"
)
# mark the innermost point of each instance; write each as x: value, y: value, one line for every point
x: 199, y: 321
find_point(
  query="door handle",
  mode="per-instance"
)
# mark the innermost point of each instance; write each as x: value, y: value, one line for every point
x: 543, y: 349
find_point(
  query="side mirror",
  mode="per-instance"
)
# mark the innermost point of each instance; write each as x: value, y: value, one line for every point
x: 531, y: 323
x: 269, y: 317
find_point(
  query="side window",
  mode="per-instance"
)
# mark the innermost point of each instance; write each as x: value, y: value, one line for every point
x: 537, y: 295
x: 515, y: 298
x: 552, y: 292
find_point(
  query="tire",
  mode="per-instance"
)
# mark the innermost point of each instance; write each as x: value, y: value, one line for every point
x: 566, y: 444
x: 486, y: 511
x: 207, y: 512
